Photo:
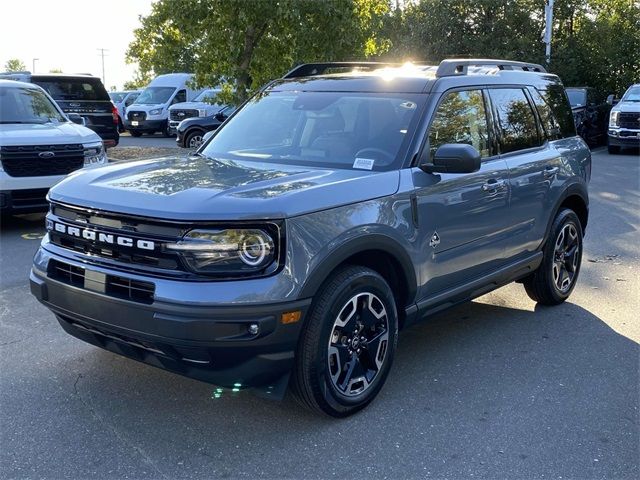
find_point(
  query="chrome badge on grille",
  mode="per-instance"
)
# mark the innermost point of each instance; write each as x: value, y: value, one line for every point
x: 99, y: 237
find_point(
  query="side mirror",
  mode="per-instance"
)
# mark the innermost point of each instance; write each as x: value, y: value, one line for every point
x: 220, y: 116
x: 454, y: 158
x: 75, y: 118
x: 612, y: 100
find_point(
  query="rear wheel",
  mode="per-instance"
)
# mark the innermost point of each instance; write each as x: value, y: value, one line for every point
x: 347, y: 346
x: 555, y: 278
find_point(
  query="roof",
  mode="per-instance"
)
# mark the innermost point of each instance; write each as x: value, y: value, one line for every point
x: 409, y: 77
x: 17, y: 84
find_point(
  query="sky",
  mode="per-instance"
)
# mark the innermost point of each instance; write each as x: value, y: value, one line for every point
x: 66, y: 35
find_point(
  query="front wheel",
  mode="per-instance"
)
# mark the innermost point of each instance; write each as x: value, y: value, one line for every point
x: 555, y: 278
x: 347, y: 346
x: 135, y: 133
x: 194, y: 139
x: 613, y: 149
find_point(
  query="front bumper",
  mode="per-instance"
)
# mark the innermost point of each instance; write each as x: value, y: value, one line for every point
x: 145, y: 125
x: 624, y: 138
x: 208, y: 342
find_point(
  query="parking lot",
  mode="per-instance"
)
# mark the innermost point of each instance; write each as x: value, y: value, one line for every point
x: 494, y: 388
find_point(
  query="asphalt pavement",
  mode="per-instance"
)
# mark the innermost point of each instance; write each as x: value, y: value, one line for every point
x: 496, y: 388
x: 155, y: 140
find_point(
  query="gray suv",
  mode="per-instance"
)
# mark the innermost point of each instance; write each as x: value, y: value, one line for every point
x: 340, y: 204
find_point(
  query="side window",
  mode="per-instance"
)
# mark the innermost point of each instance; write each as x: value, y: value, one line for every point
x: 515, y: 119
x: 549, y: 121
x: 460, y: 118
x: 180, y: 97
x: 556, y: 98
x: 130, y: 99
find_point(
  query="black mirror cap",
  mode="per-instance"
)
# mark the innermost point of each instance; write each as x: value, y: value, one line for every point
x: 75, y: 118
x: 454, y: 158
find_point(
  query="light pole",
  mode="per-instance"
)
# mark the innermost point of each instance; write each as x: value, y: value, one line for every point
x: 33, y: 64
x: 548, y: 29
x: 102, y: 50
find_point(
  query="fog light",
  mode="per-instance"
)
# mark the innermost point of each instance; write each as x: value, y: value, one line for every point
x: 254, y: 329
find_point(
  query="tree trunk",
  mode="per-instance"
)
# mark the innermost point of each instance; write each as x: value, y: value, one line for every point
x: 252, y: 36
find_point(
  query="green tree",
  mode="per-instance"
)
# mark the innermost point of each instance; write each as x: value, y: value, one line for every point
x: 139, y: 81
x: 243, y: 44
x: 55, y: 70
x: 14, y: 65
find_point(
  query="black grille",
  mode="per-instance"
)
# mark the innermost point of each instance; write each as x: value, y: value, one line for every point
x: 135, y: 115
x: 629, y: 120
x: 41, y: 160
x: 181, y: 114
x: 114, y: 286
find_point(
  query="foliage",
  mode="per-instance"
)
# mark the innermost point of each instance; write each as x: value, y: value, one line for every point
x: 138, y: 82
x: 55, y: 70
x: 242, y: 44
x: 14, y: 65
x: 246, y: 43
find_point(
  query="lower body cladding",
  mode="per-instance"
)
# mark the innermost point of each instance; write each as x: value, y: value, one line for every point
x: 228, y: 346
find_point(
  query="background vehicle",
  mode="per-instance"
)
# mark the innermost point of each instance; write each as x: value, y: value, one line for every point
x: 190, y: 132
x: 201, y: 106
x: 590, y: 114
x: 149, y: 113
x: 624, y: 121
x: 39, y: 145
x: 122, y: 100
x: 338, y: 205
x: 81, y: 94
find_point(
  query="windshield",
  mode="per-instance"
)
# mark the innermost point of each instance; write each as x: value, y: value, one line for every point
x: 334, y: 129
x: 73, y: 88
x: 117, y: 96
x: 207, y: 96
x: 155, y: 95
x: 27, y: 105
x: 577, y: 98
x: 632, y: 95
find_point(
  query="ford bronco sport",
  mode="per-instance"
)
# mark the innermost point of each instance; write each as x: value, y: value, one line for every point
x: 339, y: 204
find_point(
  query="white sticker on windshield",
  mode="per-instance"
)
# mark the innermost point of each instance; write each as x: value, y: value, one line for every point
x: 363, y: 163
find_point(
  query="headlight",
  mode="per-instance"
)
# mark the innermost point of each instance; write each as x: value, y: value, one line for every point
x: 613, y: 118
x: 233, y: 251
x: 94, y: 154
x: 202, y: 112
x: 155, y: 111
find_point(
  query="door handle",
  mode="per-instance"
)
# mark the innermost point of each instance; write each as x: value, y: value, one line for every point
x: 550, y: 172
x: 494, y: 185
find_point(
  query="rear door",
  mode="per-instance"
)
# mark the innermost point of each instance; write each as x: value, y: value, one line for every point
x: 85, y: 96
x: 462, y: 217
x: 534, y: 165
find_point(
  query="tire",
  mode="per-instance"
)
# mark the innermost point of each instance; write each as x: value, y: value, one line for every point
x: 354, y: 311
x: 166, y: 133
x: 195, y: 137
x: 134, y: 133
x: 556, y: 277
x: 613, y: 149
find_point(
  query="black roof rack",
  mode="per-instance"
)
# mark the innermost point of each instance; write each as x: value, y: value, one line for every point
x: 311, y: 69
x: 453, y: 66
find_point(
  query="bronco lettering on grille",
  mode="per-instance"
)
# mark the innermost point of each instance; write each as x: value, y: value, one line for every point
x: 100, y: 237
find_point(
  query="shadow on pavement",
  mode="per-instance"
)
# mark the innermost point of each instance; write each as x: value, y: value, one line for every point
x: 482, y: 389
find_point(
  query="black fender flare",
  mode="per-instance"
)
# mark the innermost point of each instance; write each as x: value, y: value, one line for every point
x: 363, y: 243
x: 575, y: 189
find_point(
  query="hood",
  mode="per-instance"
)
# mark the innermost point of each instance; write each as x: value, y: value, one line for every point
x: 198, y: 188
x: 195, y: 106
x: 627, y: 107
x: 45, y: 134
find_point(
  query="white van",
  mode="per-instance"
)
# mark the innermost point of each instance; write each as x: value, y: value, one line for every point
x: 150, y: 111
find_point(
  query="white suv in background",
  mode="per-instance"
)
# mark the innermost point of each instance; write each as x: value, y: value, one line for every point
x: 39, y: 146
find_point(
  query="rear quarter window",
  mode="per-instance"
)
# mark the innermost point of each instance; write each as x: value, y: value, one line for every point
x: 74, y: 88
x: 556, y: 98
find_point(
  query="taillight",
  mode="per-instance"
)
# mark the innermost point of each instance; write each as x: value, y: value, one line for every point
x: 114, y: 113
